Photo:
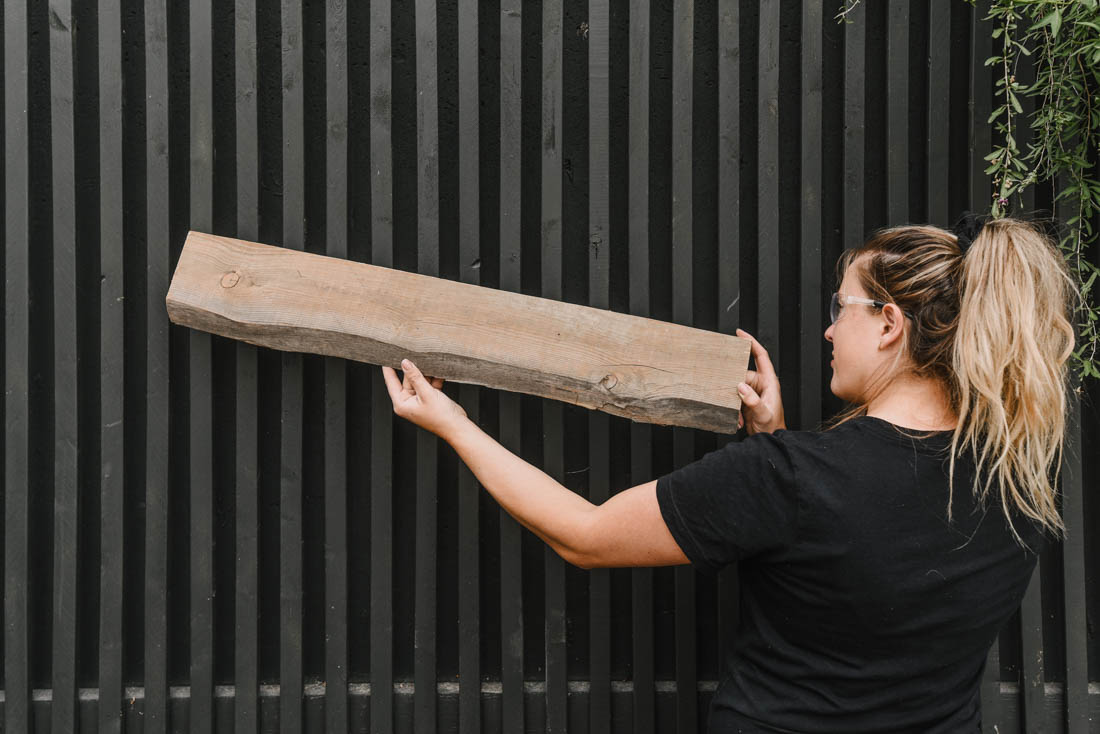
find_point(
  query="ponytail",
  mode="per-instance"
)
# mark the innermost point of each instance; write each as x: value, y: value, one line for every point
x: 1009, y: 363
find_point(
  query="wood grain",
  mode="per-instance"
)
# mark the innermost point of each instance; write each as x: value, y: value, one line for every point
x: 625, y: 365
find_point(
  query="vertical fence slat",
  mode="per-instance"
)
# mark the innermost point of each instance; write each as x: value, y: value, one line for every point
x: 812, y: 303
x: 290, y: 495
x: 469, y: 492
x: 336, y: 478
x: 201, y: 387
x: 599, y: 260
x: 767, y: 191
x: 683, y: 64
x: 1074, y: 563
x: 897, y: 112
x: 63, y: 703
x: 427, y: 451
x: 112, y: 502
x: 939, y: 92
x: 641, y: 467
x: 981, y: 104
x: 246, y: 603
x: 155, y: 709
x: 729, y: 248
x: 854, y: 88
x: 511, y: 548
x: 553, y: 411
x: 17, y: 693
x: 381, y: 563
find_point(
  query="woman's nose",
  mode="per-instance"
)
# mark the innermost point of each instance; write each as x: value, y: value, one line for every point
x: 829, y: 333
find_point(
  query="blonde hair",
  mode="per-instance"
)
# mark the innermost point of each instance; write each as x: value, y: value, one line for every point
x: 993, y: 326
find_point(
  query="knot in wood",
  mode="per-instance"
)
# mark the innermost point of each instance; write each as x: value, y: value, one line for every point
x: 230, y: 279
x: 609, y: 382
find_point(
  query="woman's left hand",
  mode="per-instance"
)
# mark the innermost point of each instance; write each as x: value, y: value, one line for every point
x: 421, y: 400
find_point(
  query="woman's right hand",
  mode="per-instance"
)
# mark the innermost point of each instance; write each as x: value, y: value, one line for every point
x: 761, y: 401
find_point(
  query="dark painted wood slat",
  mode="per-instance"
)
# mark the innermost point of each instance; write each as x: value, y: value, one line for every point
x: 1074, y: 562
x: 683, y: 28
x: 939, y: 92
x: 981, y: 104
x: 112, y: 500
x: 553, y: 411
x: 641, y: 468
x: 811, y: 316
x: 17, y: 691
x: 336, y: 480
x: 511, y: 536
x: 469, y: 245
x: 854, y: 49
x: 767, y: 273
x: 65, y: 439
x: 1031, y: 646
x: 897, y: 112
x: 729, y: 175
x: 201, y: 422
x: 427, y: 218
x: 599, y: 260
x: 155, y: 707
x: 246, y: 602
x: 381, y: 563
x: 290, y: 494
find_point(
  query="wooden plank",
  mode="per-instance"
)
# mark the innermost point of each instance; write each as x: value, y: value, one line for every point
x: 155, y: 707
x: 641, y: 469
x: 729, y: 173
x: 17, y: 691
x: 336, y: 438
x: 111, y: 369
x: 469, y: 493
x: 599, y: 260
x: 65, y: 405
x: 511, y: 533
x: 201, y: 423
x: 811, y: 316
x: 625, y: 365
x: 246, y: 602
x: 939, y: 97
x: 381, y: 563
x: 767, y: 254
x: 427, y: 456
x: 553, y: 412
x: 854, y: 50
x: 1031, y: 670
x: 897, y: 112
x: 290, y: 489
x: 683, y: 65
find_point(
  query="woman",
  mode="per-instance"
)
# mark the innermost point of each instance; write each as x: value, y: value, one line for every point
x: 879, y: 558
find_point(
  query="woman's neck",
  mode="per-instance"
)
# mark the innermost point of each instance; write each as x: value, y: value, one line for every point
x: 917, y: 403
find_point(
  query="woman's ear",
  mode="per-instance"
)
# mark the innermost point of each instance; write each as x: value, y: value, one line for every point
x: 893, y: 326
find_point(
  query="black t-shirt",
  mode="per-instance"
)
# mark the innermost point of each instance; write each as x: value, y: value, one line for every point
x: 862, y: 608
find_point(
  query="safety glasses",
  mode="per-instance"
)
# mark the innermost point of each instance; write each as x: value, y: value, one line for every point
x: 839, y: 300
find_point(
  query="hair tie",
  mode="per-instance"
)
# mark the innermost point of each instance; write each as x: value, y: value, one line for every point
x: 968, y: 227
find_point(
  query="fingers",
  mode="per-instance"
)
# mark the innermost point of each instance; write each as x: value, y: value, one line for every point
x: 763, y: 361
x: 749, y: 397
x: 393, y: 385
x: 412, y: 373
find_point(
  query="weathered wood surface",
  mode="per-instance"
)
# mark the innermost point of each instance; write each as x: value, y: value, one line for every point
x: 630, y: 366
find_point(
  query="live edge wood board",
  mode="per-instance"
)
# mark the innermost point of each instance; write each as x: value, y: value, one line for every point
x: 643, y: 369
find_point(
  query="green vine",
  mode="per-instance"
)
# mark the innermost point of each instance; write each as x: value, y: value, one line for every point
x: 1062, y: 40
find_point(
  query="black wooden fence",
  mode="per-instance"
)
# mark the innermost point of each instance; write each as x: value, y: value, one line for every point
x: 200, y: 535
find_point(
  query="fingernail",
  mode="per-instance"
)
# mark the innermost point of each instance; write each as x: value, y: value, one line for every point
x: 742, y: 388
x: 405, y: 363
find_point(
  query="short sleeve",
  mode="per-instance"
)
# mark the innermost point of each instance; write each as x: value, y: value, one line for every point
x: 735, y: 502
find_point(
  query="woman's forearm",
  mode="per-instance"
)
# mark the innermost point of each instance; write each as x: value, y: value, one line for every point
x: 533, y: 498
